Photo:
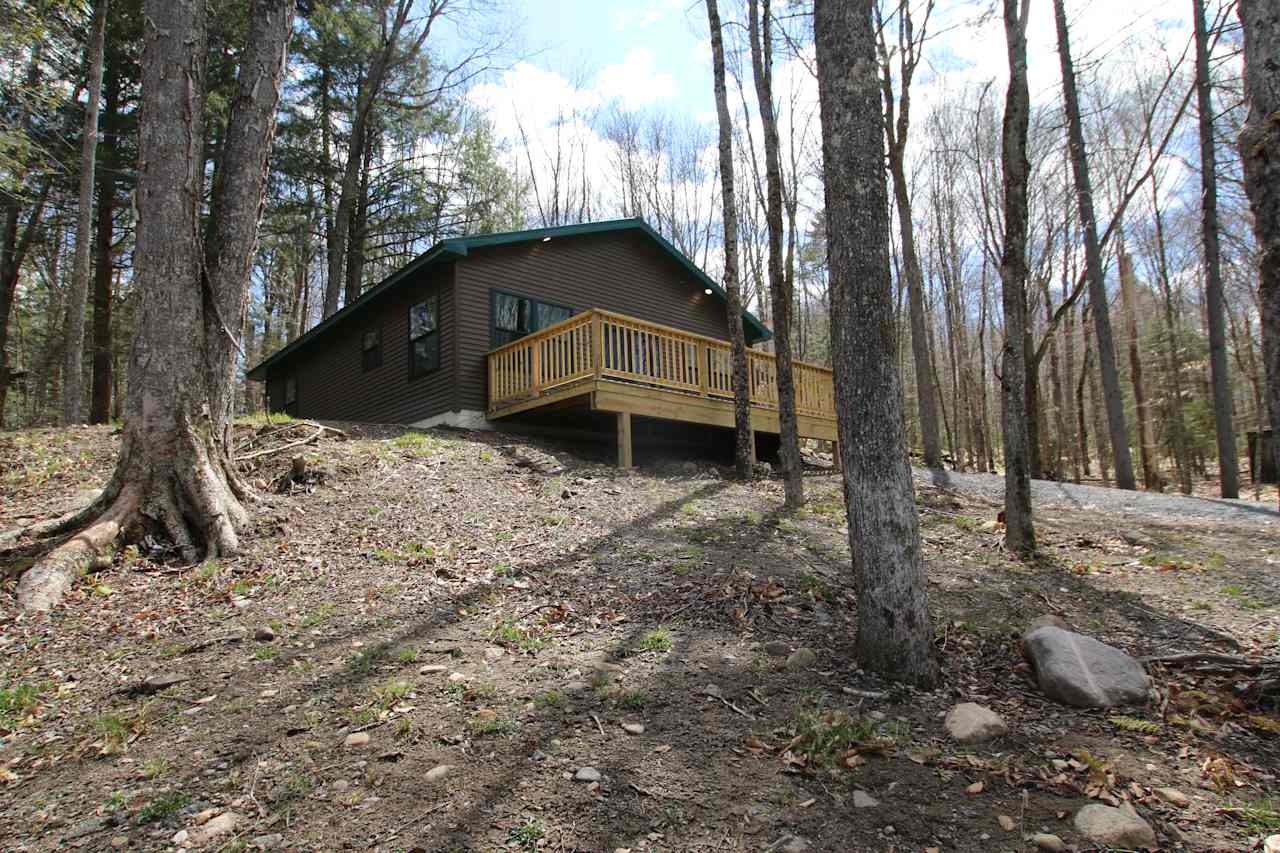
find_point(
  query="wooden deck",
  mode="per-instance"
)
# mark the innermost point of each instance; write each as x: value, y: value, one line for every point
x: 626, y: 366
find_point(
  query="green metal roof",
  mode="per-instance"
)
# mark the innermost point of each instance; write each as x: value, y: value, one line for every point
x: 458, y: 247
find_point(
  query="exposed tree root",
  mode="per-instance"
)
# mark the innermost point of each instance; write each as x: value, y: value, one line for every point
x: 63, y: 523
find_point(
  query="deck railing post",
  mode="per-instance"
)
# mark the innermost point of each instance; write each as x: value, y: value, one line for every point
x: 704, y: 366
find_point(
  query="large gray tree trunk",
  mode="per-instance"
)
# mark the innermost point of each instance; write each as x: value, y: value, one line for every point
x: 729, y: 208
x: 78, y: 292
x: 1019, y: 536
x: 1260, y: 153
x: 895, y: 637
x: 1113, y: 396
x: 779, y: 286
x: 1228, y: 461
x: 175, y: 473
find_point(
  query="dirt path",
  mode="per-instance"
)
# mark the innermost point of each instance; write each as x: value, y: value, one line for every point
x: 524, y: 617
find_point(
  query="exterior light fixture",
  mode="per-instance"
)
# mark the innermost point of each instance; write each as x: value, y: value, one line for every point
x: 546, y: 239
x: 707, y: 291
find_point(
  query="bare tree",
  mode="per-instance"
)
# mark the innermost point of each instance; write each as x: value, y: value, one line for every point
x: 78, y: 293
x: 1228, y: 463
x: 175, y: 469
x: 895, y: 637
x: 1260, y: 153
x: 1020, y: 535
x: 761, y: 33
x: 743, y: 444
x: 896, y: 127
x: 1093, y: 260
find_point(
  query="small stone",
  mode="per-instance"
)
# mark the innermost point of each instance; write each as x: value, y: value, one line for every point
x: 493, y: 653
x: 119, y: 842
x: 1114, y: 827
x: 455, y: 677
x: 777, y: 649
x: 203, y: 817
x: 356, y: 740
x: 265, y: 634
x: 633, y: 728
x: 863, y: 800
x: 1173, y: 797
x: 1006, y: 822
x: 432, y: 669
x: 267, y: 842
x: 576, y: 687
x: 435, y: 774
x: 970, y: 722
x: 801, y: 658
x: 181, y: 836
x: 223, y: 824
x: 538, y: 755
x: 587, y: 774
x: 161, y: 680
x: 790, y: 844
x: 240, y: 603
x: 1048, y: 842
x: 1271, y: 844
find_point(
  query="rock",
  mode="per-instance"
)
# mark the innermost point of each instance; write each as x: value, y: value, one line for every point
x: 1050, y: 620
x: 265, y: 634
x: 990, y: 526
x: 119, y: 842
x: 267, y: 842
x: 204, y: 817
x: 160, y: 681
x: 970, y: 722
x: 493, y: 653
x: 435, y: 774
x: 180, y: 837
x: 863, y: 800
x: 356, y: 740
x: 633, y: 728
x: 1048, y: 841
x: 1114, y: 827
x: 1006, y: 822
x: 341, y: 786
x: 801, y: 658
x: 789, y: 844
x: 777, y: 649
x: 223, y: 824
x: 432, y: 669
x: 1079, y: 670
x: 1139, y: 540
x: 576, y: 687
x: 1271, y: 844
x: 587, y: 774
x: 1173, y: 797
x: 457, y: 676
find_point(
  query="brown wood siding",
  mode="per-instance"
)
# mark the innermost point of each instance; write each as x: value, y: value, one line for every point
x: 623, y: 272
x: 333, y: 385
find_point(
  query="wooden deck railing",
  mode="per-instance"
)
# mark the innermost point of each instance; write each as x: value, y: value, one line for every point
x: 603, y: 345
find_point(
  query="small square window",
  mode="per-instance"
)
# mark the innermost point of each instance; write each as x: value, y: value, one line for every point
x: 371, y: 349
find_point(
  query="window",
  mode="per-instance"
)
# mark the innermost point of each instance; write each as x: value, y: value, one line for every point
x: 424, y: 337
x: 371, y: 349
x: 517, y: 316
x: 290, y: 395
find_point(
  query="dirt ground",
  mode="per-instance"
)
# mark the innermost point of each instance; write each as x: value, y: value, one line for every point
x: 503, y: 607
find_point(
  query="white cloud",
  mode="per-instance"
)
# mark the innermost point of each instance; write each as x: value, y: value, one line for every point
x: 636, y: 81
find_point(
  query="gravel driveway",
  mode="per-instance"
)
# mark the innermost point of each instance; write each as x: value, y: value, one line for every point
x: 1152, y: 505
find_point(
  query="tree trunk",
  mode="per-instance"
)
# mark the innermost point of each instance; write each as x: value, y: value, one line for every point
x: 1228, y: 460
x: 78, y: 291
x: 1150, y: 473
x: 895, y: 637
x: 729, y: 208
x: 1114, y: 400
x: 1020, y: 535
x: 100, y: 404
x: 1260, y: 155
x: 175, y: 473
x: 779, y: 287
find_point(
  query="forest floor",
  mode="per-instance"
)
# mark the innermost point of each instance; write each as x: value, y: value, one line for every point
x: 502, y: 608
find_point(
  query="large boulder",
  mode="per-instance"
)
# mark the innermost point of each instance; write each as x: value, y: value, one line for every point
x: 1079, y: 670
x: 1115, y: 827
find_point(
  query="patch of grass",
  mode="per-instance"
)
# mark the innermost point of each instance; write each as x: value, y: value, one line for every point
x: 407, y: 656
x: 364, y: 663
x: 508, y: 633
x: 416, y: 443
x: 114, y: 730
x: 115, y: 802
x: 814, y: 586
x: 1261, y: 816
x: 633, y: 700
x: 831, y: 735
x: 386, y: 555
x: 392, y: 692
x: 265, y: 652
x: 527, y: 835
x: 550, y: 699
x: 16, y: 703
x: 154, y: 768
x: 966, y: 522
x: 163, y: 807
x: 1167, y: 562
x: 658, y: 641
x: 490, y: 726
x: 1237, y: 592
x: 208, y: 572
x: 320, y: 614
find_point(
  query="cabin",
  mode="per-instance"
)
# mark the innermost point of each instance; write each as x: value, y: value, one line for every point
x: 603, y: 327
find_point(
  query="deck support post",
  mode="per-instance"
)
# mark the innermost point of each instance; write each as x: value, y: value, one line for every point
x: 836, y: 463
x: 752, y: 433
x: 624, y: 440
